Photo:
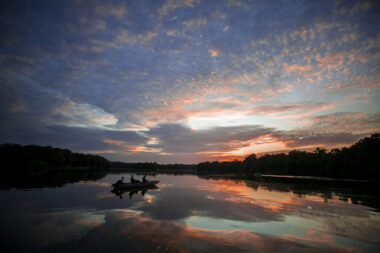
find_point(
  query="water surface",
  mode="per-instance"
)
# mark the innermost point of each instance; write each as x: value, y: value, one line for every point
x: 188, y: 213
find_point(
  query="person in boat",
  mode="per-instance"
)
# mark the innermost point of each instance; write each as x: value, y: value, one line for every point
x: 144, y: 179
x: 120, y: 181
x: 134, y: 180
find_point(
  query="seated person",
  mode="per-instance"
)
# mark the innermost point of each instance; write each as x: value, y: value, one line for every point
x: 134, y: 180
x: 120, y: 181
x: 144, y: 179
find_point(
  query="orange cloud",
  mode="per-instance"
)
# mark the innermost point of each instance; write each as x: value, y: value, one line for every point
x: 291, y: 110
x: 213, y: 52
x: 331, y: 58
x: 132, y: 148
x: 297, y: 67
x: 104, y: 151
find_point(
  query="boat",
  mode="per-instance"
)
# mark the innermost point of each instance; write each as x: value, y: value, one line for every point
x: 132, y: 191
x: 135, y: 185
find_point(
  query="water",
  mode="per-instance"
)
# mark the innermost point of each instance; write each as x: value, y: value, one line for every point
x: 188, y: 213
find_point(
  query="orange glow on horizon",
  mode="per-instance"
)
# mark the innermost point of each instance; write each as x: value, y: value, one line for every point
x: 132, y: 148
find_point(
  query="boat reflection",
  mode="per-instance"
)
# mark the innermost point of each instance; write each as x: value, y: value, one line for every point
x: 142, y: 190
x: 192, y: 214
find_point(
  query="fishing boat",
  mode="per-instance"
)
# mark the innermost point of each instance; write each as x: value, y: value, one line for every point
x: 135, y: 185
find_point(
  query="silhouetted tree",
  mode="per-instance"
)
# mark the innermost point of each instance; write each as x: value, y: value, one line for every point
x: 250, y: 163
x: 361, y: 160
x: 37, y: 158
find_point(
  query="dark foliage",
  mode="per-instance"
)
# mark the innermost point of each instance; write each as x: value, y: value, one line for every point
x: 37, y: 159
x: 235, y: 166
x: 360, y: 161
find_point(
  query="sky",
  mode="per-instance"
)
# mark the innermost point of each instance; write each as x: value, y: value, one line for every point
x: 189, y: 81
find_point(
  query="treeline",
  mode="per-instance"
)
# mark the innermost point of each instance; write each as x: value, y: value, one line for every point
x: 234, y: 166
x: 36, y: 158
x: 152, y: 166
x: 361, y: 161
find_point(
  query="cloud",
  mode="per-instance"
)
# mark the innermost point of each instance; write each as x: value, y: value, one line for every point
x: 238, y: 3
x: 85, y: 115
x: 301, y: 139
x: 120, y: 38
x: 76, y: 138
x: 18, y: 58
x: 195, y: 23
x: 175, y: 138
x: 213, y: 52
x: 347, y: 121
x: 292, y: 110
x: 131, y: 148
x: 87, y: 26
x: 360, y: 6
x: 331, y: 130
x: 171, y: 5
x: 117, y: 11
x: 44, y: 105
x: 297, y: 67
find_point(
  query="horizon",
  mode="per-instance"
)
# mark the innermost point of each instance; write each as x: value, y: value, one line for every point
x: 189, y: 81
x: 258, y: 155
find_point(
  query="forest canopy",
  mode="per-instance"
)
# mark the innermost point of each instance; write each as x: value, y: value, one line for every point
x: 361, y: 161
x: 39, y: 158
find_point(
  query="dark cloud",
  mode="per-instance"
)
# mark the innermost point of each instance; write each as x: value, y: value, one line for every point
x: 295, y: 139
x: 179, y: 138
x: 74, y: 138
x: 331, y: 129
x: 346, y: 121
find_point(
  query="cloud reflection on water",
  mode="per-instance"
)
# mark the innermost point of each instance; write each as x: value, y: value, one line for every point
x: 187, y: 214
x: 135, y: 233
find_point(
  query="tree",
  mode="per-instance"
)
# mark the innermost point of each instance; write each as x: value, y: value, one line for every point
x: 250, y: 163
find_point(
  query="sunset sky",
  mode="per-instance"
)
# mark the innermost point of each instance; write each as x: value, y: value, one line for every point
x: 188, y: 81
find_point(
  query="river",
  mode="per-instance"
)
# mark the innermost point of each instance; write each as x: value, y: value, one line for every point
x: 191, y: 213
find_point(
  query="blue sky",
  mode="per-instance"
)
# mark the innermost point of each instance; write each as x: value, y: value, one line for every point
x: 189, y: 81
